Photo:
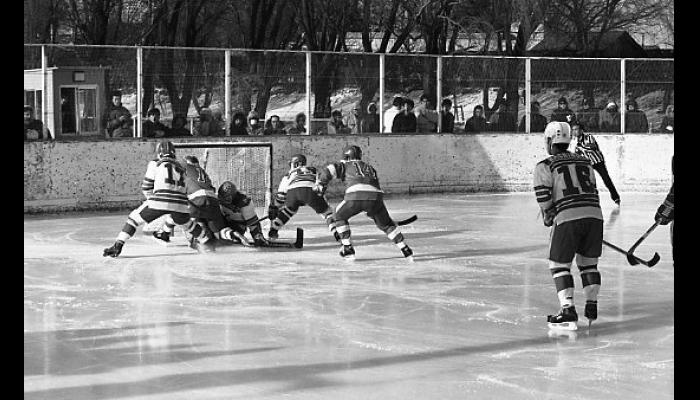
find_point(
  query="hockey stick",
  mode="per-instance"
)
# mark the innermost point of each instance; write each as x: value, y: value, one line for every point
x: 297, y: 244
x: 406, y: 221
x: 630, y: 252
x: 654, y: 260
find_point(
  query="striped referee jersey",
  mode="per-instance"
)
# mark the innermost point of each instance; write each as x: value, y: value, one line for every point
x: 588, y: 147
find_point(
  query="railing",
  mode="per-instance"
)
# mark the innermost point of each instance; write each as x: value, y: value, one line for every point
x: 70, y: 87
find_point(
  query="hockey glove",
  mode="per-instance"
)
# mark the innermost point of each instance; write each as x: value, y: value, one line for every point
x: 664, y: 214
x: 320, y: 188
x: 548, y: 217
x: 272, y: 212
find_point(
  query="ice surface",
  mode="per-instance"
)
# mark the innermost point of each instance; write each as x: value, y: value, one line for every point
x: 466, y: 320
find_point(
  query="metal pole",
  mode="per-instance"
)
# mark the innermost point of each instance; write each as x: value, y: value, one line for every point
x: 44, y: 97
x: 438, y: 102
x: 227, y: 91
x: 381, y: 92
x: 139, y: 90
x: 308, y: 93
x: 623, y: 90
x: 528, y: 94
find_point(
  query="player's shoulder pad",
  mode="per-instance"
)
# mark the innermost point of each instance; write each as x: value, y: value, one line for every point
x: 547, y: 161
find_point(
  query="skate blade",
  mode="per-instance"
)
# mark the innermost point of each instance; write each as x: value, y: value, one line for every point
x: 162, y: 243
x: 349, y: 258
x: 410, y: 259
x: 563, y: 326
x: 559, y: 333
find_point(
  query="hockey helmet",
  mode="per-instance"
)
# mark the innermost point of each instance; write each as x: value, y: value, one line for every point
x: 165, y: 149
x: 298, y: 160
x: 192, y: 160
x: 352, y: 152
x: 226, y: 192
x: 558, y: 132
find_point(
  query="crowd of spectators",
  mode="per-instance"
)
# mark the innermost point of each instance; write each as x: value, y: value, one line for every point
x: 401, y: 117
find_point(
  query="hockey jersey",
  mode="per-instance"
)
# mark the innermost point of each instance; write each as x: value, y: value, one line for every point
x: 588, y: 147
x: 361, y: 181
x: 296, y: 178
x: 164, y: 186
x: 565, y: 184
x: 200, y: 191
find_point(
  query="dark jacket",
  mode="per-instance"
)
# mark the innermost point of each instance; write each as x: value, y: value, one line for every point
x: 476, y: 125
x: 502, y: 122
x: 150, y: 129
x: 448, y: 122
x: 370, y: 123
x: 537, y: 123
x: 562, y: 115
x: 112, y: 120
x: 34, y: 130
x: 404, y: 123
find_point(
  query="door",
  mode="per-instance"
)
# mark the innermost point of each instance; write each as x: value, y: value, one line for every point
x: 79, y: 110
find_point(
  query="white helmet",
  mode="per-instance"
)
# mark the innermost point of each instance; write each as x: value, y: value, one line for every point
x: 559, y: 132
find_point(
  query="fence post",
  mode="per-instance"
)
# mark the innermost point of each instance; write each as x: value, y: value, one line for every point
x: 381, y: 92
x: 438, y: 102
x: 308, y: 93
x: 139, y: 90
x: 528, y: 94
x: 227, y: 91
x: 44, y: 99
x: 623, y: 90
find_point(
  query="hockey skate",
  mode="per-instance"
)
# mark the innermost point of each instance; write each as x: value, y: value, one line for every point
x: 162, y: 237
x: 273, y: 234
x: 566, y: 319
x: 115, y: 250
x: 347, y: 252
x: 408, y: 253
x: 206, y: 247
x: 591, y: 311
x: 259, y: 240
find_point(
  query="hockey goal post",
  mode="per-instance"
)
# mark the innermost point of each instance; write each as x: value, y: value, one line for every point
x: 247, y: 164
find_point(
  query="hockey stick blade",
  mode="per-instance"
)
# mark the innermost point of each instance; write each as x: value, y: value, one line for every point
x: 408, y: 220
x: 298, y: 244
x: 630, y: 252
x: 654, y: 260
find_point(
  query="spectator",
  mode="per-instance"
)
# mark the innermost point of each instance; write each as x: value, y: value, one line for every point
x: 537, y: 121
x: 178, y: 126
x: 207, y: 125
x: 476, y: 123
x: 254, y: 127
x: 589, y: 115
x: 667, y: 122
x: 299, y: 127
x: 274, y: 126
x: 389, y: 114
x: 426, y: 115
x: 635, y: 120
x: 502, y: 120
x: 33, y: 128
x: 370, y: 122
x: 352, y: 121
x: 610, y: 118
x: 117, y: 119
x: 335, y: 125
x: 405, y: 121
x: 152, y: 127
x: 448, y: 119
x: 563, y: 113
x: 218, y: 126
x: 238, y: 127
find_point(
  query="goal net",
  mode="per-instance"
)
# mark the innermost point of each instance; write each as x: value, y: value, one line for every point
x: 247, y: 164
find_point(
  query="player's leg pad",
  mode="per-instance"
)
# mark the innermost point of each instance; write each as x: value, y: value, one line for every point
x: 563, y: 281
x: 283, y: 217
x: 128, y: 230
x: 343, y: 229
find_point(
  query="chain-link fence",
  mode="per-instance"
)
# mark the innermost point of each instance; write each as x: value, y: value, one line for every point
x: 126, y: 91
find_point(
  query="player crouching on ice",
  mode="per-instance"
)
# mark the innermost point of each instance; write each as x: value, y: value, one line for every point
x: 164, y: 188
x: 239, y: 214
x: 296, y: 189
x: 566, y: 193
x: 203, y: 207
x: 362, y: 193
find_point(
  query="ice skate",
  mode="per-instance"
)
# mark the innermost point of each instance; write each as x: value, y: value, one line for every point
x: 162, y: 237
x: 207, y: 247
x: 259, y: 240
x: 591, y: 311
x: 408, y: 253
x: 347, y: 252
x: 273, y: 234
x: 115, y: 250
x: 566, y: 319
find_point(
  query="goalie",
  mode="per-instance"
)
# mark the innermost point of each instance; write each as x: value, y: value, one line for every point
x: 239, y: 213
x: 296, y: 189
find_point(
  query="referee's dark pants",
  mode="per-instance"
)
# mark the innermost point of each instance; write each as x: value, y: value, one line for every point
x: 603, y: 172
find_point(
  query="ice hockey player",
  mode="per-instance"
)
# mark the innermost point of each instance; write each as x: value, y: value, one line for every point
x: 665, y: 212
x: 164, y: 188
x: 566, y: 193
x: 239, y: 213
x: 362, y: 193
x: 296, y: 189
x: 203, y: 202
x: 587, y: 146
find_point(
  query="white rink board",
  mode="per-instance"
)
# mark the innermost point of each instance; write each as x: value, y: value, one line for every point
x: 466, y: 320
